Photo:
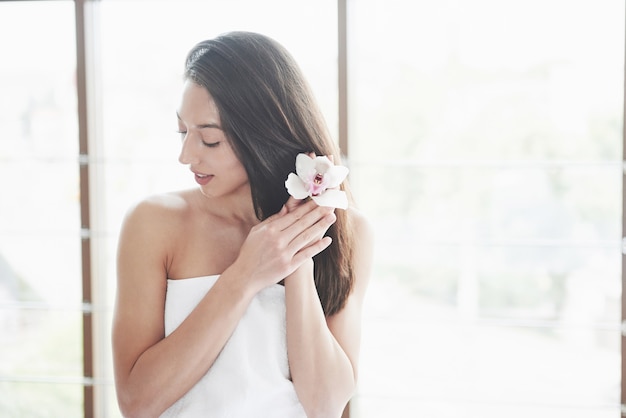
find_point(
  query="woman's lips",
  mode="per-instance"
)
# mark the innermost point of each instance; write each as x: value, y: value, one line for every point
x: 202, y: 179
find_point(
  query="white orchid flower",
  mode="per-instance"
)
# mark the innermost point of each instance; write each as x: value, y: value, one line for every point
x: 317, y: 177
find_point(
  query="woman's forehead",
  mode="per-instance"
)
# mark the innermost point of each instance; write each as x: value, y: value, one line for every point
x: 197, y: 107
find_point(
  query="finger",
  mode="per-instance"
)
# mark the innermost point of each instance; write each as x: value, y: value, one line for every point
x: 284, y: 226
x: 281, y: 212
x: 312, y: 250
x: 309, y: 223
x: 310, y: 234
x: 329, y: 220
x: 285, y: 220
x: 293, y: 203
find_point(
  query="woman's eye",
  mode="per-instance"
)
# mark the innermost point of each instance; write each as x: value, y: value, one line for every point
x: 211, y: 144
x: 182, y: 134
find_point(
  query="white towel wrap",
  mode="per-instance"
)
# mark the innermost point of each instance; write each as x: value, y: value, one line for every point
x: 250, y: 377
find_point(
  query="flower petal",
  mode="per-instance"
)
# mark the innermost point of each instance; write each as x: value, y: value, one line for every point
x: 305, y: 166
x: 333, y: 198
x: 322, y: 164
x: 295, y: 187
x: 335, y: 175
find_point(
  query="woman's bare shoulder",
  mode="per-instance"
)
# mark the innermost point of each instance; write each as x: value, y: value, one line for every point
x: 159, y: 207
x: 155, y: 218
x: 150, y: 233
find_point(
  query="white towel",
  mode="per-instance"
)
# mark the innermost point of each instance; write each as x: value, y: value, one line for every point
x: 250, y: 377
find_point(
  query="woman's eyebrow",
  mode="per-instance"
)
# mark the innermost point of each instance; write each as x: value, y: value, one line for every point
x: 202, y: 125
x: 208, y: 125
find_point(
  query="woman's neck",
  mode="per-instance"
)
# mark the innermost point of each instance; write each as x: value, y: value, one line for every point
x: 236, y: 208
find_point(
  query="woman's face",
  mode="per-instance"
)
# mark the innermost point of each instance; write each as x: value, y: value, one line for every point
x: 205, y: 148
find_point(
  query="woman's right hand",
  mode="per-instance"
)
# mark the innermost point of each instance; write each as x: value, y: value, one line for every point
x: 276, y: 247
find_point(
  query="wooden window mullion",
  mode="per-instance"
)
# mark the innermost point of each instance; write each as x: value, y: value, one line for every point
x: 85, y: 223
x: 623, y: 267
x: 342, y: 74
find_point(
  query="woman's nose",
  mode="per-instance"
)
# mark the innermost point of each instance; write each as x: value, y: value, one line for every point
x: 187, y: 154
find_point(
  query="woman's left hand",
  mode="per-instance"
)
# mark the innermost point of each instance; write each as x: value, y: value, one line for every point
x: 292, y: 204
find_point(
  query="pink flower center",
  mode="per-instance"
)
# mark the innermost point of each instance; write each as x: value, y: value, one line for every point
x: 316, y: 186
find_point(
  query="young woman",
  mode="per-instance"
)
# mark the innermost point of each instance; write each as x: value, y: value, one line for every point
x: 233, y: 298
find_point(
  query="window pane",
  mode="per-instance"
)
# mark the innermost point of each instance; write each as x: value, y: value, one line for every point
x: 496, y: 201
x: 41, y: 399
x: 41, y: 343
x: 487, y: 151
x: 54, y: 279
x: 464, y: 367
x: 40, y: 282
x: 39, y: 211
x: 476, y: 82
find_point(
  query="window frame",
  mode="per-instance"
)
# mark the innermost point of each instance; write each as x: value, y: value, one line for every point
x: 623, y: 266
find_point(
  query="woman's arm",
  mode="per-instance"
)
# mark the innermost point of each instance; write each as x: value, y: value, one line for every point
x: 151, y: 371
x: 324, y: 352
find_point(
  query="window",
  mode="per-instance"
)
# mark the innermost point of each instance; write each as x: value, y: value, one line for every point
x: 485, y: 144
x: 40, y: 255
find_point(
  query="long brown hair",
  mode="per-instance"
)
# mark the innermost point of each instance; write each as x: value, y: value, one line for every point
x: 270, y: 115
